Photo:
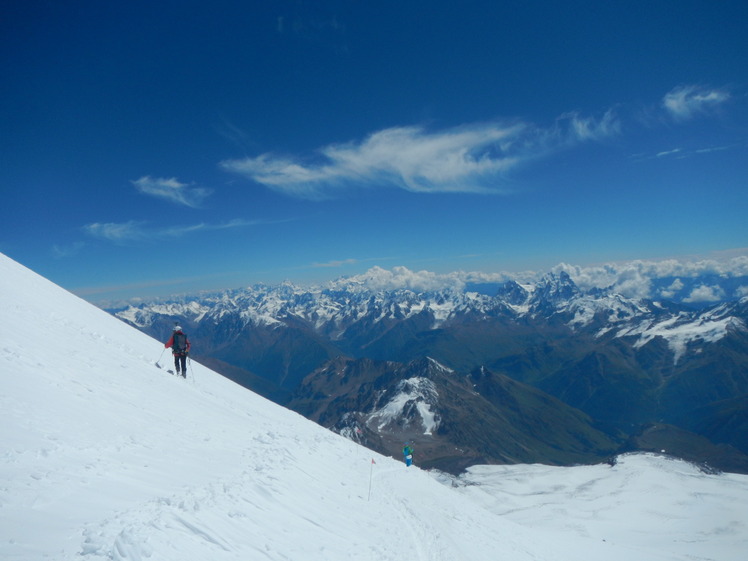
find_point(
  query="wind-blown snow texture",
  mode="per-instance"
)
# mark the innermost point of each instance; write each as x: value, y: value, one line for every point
x: 106, y: 456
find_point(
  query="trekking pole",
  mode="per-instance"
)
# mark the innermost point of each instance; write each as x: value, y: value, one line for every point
x: 159, y: 358
x: 192, y: 372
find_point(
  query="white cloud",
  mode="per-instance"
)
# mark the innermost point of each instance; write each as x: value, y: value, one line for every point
x: 685, y: 102
x: 635, y: 278
x: 172, y: 190
x: 704, y: 293
x: 675, y: 287
x: 469, y: 159
x: 377, y: 279
x: 452, y: 161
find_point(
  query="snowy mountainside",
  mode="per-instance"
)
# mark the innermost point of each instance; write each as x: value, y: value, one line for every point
x: 106, y: 456
x: 534, y: 494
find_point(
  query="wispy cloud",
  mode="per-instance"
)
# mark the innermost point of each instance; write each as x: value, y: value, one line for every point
x: 672, y: 152
x: 469, y: 159
x: 312, y: 22
x: 135, y: 231
x: 584, y: 129
x: 408, y: 157
x: 172, y: 190
x: 713, y: 149
x: 335, y: 264
x: 121, y: 232
x: 681, y: 154
x: 64, y: 251
x: 237, y: 136
x: 685, y: 102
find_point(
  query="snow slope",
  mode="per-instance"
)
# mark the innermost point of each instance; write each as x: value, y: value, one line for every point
x: 106, y: 456
x: 651, y: 502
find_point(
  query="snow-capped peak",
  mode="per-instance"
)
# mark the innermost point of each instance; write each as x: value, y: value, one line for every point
x: 414, y: 401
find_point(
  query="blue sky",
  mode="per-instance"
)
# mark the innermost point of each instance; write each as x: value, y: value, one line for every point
x: 150, y: 148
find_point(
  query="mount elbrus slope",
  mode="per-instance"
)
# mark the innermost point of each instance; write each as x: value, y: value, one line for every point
x: 107, y: 457
x: 617, y: 364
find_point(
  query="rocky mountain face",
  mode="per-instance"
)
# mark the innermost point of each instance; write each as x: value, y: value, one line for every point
x: 453, y: 420
x: 532, y: 373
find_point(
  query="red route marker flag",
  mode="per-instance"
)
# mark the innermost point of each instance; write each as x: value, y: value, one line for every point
x: 371, y: 472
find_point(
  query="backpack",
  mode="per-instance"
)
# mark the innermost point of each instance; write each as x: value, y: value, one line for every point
x: 179, y: 344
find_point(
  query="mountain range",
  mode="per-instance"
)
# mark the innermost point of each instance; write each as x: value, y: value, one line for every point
x: 484, y: 373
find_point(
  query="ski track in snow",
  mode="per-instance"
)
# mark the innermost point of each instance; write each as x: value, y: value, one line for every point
x: 107, y: 457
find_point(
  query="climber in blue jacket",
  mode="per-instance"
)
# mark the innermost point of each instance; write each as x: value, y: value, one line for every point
x: 408, y: 454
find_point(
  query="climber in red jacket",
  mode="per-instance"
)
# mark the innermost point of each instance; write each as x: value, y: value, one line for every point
x: 180, y: 348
